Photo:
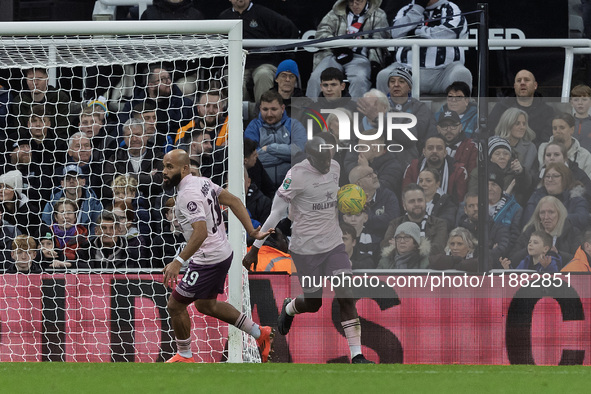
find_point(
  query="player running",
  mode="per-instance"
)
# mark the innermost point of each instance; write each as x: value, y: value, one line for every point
x: 310, y: 192
x: 208, y: 255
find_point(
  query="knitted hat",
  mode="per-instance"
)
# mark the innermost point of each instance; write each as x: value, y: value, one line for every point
x: 495, y: 143
x: 409, y: 228
x: 449, y: 117
x: 289, y: 66
x: 402, y: 72
x: 101, y: 101
x: 496, y: 175
x: 14, y: 180
x: 45, y: 232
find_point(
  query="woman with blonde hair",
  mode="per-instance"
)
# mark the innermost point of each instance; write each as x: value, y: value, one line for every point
x: 513, y: 126
x: 460, y: 252
x: 551, y: 216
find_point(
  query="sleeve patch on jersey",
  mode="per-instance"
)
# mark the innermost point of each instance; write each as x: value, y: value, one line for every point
x: 192, y: 206
x: 286, y: 183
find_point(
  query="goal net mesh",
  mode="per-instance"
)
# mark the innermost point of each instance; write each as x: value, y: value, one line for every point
x: 87, y: 119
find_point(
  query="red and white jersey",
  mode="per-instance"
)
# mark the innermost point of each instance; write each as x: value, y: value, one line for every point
x: 197, y: 200
x: 312, y: 199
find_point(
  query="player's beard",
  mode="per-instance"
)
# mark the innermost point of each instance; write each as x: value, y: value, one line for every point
x: 173, y: 181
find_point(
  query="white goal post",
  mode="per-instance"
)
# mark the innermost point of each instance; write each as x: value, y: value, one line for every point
x: 43, y: 44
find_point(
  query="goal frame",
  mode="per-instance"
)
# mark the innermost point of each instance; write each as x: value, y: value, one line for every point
x: 233, y: 28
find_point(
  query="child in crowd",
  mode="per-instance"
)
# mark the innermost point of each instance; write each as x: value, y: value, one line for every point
x: 50, y: 255
x: 131, y: 208
x: 24, y: 253
x: 580, y: 99
x: 69, y: 237
x: 358, y: 260
x: 366, y: 243
x: 540, y: 256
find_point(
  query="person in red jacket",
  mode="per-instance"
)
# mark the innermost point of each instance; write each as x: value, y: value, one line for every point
x: 454, y: 177
x: 580, y: 263
x: 458, y: 146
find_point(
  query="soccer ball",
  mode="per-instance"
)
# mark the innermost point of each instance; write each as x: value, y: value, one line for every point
x: 351, y: 199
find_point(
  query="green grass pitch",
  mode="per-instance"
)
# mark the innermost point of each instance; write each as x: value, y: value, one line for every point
x: 114, y: 378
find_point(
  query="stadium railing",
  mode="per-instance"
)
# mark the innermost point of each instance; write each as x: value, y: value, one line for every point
x: 572, y: 47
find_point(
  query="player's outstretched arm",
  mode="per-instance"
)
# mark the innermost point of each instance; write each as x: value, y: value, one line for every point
x: 234, y: 203
x: 278, y: 212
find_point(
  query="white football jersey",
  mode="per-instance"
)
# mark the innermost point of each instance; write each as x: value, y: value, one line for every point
x: 312, y: 199
x: 197, y: 200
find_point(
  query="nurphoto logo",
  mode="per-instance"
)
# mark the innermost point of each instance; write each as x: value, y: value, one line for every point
x: 394, y: 122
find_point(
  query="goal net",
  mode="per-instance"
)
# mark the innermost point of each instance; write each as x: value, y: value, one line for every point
x: 87, y: 111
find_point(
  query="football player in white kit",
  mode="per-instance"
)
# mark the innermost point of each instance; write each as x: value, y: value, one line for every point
x: 208, y: 255
x: 309, y: 191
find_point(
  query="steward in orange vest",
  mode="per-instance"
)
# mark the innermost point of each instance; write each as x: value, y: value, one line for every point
x: 580, y: 263
x: 273, y: 260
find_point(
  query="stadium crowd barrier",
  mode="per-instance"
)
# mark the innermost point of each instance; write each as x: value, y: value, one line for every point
x: 122, y: 317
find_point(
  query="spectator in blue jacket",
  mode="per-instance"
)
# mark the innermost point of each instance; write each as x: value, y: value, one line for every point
x: 73, y: 187
x: 278, y: 136
x: 540, y: 256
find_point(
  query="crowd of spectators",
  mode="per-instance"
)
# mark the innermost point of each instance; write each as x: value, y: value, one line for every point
x: 83, y: 189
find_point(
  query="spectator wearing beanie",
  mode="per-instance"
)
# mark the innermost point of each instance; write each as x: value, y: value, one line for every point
x: 288, y: 84
x: 501, y: 154
x: 399, y: 96
x: 15, y: 205
x: 287, y: 79
x: 406, y: 250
